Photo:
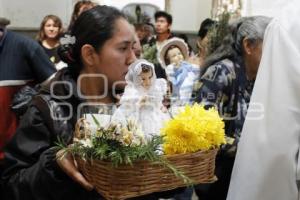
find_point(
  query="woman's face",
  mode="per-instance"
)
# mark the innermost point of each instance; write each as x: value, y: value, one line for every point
x: 252, y: 55
x: 51, y: 29
x: 257, y: 53
x: 175, y: 56
x: 202, y: 45
x: 137, y: 48
x: 117, y: 54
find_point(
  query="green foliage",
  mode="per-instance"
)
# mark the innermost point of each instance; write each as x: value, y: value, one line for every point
x: 114, y: 151
x: 118, y: 154
x: 150, y: 53
x: 106, y: 145
x: 217, y: 33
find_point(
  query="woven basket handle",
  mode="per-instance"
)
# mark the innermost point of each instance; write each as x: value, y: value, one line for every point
x: 82, y: 130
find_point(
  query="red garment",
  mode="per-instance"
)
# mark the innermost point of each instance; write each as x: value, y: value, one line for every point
x: 8, y: 119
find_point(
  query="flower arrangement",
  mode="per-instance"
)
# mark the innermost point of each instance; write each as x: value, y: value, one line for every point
x: 119, y: 143
x: 117, y: 155
x: 193, y: 129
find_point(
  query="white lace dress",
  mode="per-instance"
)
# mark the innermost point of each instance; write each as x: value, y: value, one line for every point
x: 143, y: 105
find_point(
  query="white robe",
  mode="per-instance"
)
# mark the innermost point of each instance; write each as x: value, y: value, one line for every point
x: 150, y: 115
x: 140, y: 104
x: 262, y: 7
x: 267, y: 162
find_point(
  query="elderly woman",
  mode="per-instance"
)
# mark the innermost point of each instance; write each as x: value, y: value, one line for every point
x: 270, y: 144
x: 227, y: 81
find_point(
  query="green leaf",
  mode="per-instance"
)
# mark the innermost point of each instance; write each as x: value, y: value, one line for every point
x: 117, y: 154
x: 96, y: 121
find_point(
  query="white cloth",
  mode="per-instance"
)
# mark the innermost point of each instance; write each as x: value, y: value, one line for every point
x: 144, y: 106
x: 270, y: 8
x: 267, y: 163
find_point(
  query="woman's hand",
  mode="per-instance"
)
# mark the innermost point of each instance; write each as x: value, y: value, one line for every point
x: 67, y: 163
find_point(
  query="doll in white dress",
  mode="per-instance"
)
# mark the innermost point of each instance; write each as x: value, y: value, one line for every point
x: 142, y: 98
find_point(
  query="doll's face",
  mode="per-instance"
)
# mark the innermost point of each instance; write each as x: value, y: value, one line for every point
x: 146, y: 79
x: 175, y: 56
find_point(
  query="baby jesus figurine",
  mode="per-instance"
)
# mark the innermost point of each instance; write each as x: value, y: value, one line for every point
x: 142, y: 98
x: 180, y: 73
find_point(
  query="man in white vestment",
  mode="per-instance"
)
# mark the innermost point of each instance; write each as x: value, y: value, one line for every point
x: 267, y: 165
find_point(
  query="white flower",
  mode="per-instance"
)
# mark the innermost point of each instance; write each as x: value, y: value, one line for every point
x: 67, y: 39
x: 86, y: 143
x: 127, y: 137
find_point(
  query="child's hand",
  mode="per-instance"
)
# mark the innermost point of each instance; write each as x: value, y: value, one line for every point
x: 142, y: 101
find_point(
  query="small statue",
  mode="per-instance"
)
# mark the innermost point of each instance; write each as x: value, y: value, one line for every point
x: 180, y: 73
x: 142, y: 98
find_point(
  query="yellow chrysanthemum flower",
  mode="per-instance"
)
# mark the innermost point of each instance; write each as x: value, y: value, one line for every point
x: 192, y: 130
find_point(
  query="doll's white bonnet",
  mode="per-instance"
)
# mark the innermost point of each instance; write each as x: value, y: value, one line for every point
x: 172, y: 42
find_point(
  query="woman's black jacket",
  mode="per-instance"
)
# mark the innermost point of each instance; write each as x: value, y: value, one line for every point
x: 30, y: 170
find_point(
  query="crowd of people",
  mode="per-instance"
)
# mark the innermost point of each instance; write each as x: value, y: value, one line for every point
x: 101, y: 41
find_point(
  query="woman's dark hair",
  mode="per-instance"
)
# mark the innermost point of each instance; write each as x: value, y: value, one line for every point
x: 252, y: 28
x: 165, y: 15
x: 94, y: 27
x: 205, y: 26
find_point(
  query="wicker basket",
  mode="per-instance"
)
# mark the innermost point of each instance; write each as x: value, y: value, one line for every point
x: 143, y: 178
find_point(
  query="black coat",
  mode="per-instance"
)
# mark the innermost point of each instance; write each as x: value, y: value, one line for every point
x: 30, y: 170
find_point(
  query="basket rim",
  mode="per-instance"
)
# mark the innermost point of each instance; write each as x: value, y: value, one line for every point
x: 87, y: 167
x: 192, y: 153
x: 168, y: 157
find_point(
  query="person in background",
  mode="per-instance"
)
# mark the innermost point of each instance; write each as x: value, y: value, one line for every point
x: 227, y: 81
x: 149, y: 31
x: 23, y: 62
x: 141, y: 34
x: 80, y: 7
x: 137, y: 48
x: 186, y: 40
x: 163, y: 23
x: 202, y: 41
x: 48, y: 36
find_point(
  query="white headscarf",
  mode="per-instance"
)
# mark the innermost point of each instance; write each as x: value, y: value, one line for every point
x: 267, y: 162
x: 135, y: 69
